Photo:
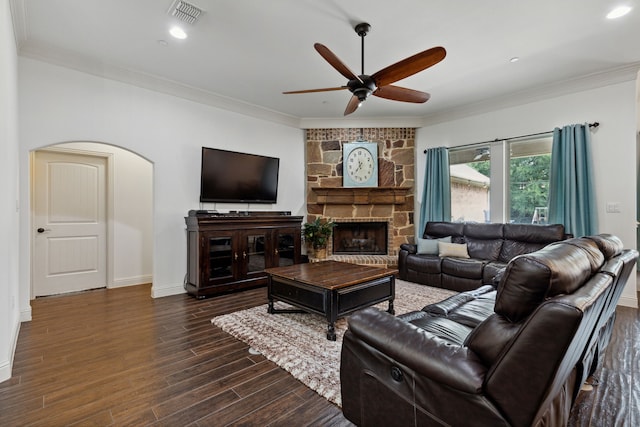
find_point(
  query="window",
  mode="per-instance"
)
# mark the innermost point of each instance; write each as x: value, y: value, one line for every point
x: 501, y: 182
x: 470, y: 184
x: 529, y: 166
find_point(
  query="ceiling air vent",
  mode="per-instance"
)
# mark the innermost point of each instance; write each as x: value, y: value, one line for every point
x: 185, y: 11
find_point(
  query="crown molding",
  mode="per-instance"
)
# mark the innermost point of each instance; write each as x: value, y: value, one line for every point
x: 609, y: 77
x: 65, y: 59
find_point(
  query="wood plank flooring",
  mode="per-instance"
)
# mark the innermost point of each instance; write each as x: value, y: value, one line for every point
x: 119, y: 357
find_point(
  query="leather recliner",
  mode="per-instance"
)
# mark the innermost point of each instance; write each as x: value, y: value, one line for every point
x: 519, y: 365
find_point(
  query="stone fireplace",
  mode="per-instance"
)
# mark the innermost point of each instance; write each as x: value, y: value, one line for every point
x: 391, y: 203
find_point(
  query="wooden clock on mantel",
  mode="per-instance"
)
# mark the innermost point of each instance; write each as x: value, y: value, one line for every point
x: 360, y: 164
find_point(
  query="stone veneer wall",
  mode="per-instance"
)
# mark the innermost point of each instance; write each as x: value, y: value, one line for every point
x: 396, y: 168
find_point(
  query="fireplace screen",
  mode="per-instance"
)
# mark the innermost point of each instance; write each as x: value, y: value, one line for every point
x: 360, y: 238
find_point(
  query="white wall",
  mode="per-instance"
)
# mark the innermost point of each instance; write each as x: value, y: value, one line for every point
x: 613, y: 147
x: 131, y: 213
x: 59, y: 105
x: 9, y: 219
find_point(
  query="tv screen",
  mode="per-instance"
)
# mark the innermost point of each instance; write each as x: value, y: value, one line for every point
x: 229, y: 176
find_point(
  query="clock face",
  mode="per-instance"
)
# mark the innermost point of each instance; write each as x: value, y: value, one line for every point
x: 360, y: 165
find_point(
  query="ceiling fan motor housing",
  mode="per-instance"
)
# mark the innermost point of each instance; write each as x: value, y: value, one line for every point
x: 362, y: 89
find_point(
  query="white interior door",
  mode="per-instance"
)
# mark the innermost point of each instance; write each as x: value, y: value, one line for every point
x: 69, y: 221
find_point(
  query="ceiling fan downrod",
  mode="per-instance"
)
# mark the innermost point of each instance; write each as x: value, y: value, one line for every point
x: 362, y: 29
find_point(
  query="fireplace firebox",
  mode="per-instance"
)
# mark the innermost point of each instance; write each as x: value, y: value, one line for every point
x: 360, y: 238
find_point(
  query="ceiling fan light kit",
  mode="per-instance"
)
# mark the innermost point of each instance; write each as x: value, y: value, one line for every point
x: 380, y: 83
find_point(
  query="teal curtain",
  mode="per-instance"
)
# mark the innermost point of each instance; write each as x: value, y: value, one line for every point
x: 436, y: 193
x: 571, y: 193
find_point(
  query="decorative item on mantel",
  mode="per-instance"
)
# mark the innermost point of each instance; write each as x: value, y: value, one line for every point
x: 316, y: 234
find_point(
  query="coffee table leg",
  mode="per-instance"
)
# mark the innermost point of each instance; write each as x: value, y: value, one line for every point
x: 331, y: 332
x: 391, y: 310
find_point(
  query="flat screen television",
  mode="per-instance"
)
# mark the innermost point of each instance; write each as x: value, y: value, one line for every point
x: 232, y: 177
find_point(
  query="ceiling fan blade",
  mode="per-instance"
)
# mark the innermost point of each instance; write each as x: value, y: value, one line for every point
x: 335, y: 62
x: 398, y: 93
x: 325, y: 89
x: 409, y: 66
x: 352, y: 106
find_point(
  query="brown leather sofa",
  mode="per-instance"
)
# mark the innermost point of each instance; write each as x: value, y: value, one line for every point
x: 490, y: 247
x: 515, y: 356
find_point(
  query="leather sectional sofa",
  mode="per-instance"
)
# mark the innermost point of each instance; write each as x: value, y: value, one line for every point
x: 489, y: 246
x: 511, y: 356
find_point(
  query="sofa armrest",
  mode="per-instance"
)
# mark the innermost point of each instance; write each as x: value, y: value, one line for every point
x: 432, y: 357
x: 411, y: 248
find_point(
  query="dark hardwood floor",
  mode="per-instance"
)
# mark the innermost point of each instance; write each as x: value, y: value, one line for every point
x: 119, y: 357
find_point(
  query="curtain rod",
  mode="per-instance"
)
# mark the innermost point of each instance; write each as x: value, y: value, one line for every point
x: 591, y: 125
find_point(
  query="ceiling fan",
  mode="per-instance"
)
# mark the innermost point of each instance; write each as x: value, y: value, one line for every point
x: 380, y: 83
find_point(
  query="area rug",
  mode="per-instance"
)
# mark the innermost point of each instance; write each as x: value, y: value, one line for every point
x: 297, y: 342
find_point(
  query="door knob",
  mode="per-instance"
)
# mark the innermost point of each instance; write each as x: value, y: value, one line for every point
x: 42, y: 230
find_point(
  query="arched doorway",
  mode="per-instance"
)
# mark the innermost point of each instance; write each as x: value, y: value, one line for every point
x: 128, y: 211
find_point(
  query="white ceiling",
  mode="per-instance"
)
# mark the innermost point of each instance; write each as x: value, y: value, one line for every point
x: 242, y: 54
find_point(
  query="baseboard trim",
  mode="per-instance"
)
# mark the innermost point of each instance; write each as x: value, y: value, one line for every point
x: 168, y: 291
x: 25, y: 315
x: 628, y: 302
x: 7, y: 365
x: 5, y: 370
x: 131, y: 281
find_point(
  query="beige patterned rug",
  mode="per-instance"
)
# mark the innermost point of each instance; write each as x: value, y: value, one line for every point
x: 298, y: 342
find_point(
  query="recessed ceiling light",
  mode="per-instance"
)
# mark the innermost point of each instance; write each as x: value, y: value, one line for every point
x: 514, y: 59
x: 618, y: 12
x: 178, y: 33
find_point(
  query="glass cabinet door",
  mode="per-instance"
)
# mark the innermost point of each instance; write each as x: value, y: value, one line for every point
x: 255, y: 251
x: 285, y: 248
x: 220, y: 257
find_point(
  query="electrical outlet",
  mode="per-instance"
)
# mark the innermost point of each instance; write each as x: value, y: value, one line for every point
x: 613, y: 207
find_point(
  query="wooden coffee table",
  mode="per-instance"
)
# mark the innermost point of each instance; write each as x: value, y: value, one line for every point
x: 330, y: 288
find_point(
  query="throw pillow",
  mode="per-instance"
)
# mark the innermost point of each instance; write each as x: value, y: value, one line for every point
x: 457, y: 250
x: 430, y: 246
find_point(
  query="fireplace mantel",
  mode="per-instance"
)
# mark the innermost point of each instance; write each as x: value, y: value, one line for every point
x: 361, y: 196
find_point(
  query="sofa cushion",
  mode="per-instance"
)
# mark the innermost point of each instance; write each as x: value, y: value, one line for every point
x: 460, y: 267
x: 492, y: 271
x: 484, y: 231
x: 430, y: 246
x: 484, y: 241
x: 460, y: 284
x: 453, y: 332
x: 448, y: 305
x: 476, y: 311
x: 590, y: 248
x: 467, y: 308
x: 489, y: 338
x: 530, y: 279
x: 484, y: 249
x: 437, y: 229
x: 457, y: 250
x: 427, y: 264
x: 608, y: 244
x: 526, y: 238
x: 534, y: 233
